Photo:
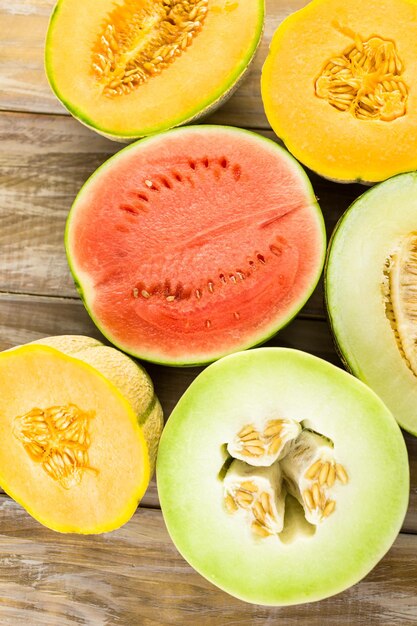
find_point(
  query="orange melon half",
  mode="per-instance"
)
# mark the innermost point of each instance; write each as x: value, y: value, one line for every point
x: 339, y: 84
x: 72, y: 449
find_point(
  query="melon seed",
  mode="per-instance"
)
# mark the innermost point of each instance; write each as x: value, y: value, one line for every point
x: 138, y: 40
x: 365, y: 80
x: 260, y: 530
x: 57, y: 438
x: 401, y: 298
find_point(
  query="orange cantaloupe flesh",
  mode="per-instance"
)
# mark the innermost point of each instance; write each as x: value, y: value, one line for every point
x: 37, y: 376
x: 335, y: 143
x: 207, y: 69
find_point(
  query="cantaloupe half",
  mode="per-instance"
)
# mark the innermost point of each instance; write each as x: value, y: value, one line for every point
x: 79, y: 428
x: 136, y: 67
x: 338, y: 87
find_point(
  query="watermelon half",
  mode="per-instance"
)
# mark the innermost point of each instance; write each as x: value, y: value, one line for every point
x: 195, y: 243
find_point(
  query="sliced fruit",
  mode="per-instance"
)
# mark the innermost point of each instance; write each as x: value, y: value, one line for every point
x: 136, y: 67
x: 336, y: 87
x: 371, y: 293
x: 195, y: 243
x: 311, y: 524
x: 77, y: 447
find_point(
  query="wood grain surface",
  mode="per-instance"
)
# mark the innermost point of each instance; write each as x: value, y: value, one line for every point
x: 133, y: 576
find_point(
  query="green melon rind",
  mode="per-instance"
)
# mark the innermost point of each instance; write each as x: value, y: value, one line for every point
x: 208, y: 553
x: 155, y: 358
x: 215, y: 100
x: 347, y: 359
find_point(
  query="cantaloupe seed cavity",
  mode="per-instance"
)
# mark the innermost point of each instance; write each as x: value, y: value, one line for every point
x: 399, y: 289
x: 139, y: 40
x: 58, y: 438
x: 281, y: 458
x: 366, y: 80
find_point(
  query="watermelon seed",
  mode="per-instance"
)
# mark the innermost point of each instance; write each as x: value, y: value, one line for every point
x: 143, y: 197
x: 261, y: 259
x: 205, y: 162
x: 210, y: 287
x: 191, y: 164
x: 129, y: 209
x: 170, y: 298
x: 223, y: 162
x: 135, y: 292
x: 237, y: 171
x: 208, y: 323
x: 223, y: 278
x: 149, y: 183
x: 166, y: 182
x: 145, y: 293
x: 232, y: 278
x: 240, y: 274
x: 198, y: 294
x: 275, y: 250
x: 236, y: 314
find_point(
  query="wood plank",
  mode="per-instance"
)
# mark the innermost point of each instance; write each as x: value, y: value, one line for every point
x: 25, y: 88
x: 134, y: 576
x: 26, y: 318
x: 44, y: 162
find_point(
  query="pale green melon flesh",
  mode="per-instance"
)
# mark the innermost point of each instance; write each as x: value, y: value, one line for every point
x: 366, y: 236
x: 269, y: 383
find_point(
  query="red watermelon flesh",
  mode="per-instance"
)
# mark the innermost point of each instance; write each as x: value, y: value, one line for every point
x: 195, y: 243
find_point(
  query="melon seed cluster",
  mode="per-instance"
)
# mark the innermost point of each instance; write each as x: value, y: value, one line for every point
x: 366, y: 80
x: 139, y: 40
x: 58, y: 439
x: 400, y: 294
x: 301, y: 464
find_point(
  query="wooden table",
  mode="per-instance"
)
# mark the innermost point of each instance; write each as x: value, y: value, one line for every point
x: 133, y: 576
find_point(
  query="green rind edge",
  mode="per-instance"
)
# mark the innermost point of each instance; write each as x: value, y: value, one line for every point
x: 340, y: 349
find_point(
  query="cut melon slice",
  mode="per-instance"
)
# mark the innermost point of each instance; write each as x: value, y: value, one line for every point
x: 338, y: 87
x: 346, y: 478
x: 371, y: 293
x: 136, y: 67
x: 73, y: 450
x: 195, y: 243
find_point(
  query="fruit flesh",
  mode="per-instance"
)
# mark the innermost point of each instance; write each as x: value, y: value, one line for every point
x: 129, y: 377
x: 98, y: 493
x: 208, y: 67
x: 367, y: 442
x: 371, y: 235
x: 344, y: 107
x: 209, y: 240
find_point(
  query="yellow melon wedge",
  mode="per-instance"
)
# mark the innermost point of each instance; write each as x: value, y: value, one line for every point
x: 72, y: 449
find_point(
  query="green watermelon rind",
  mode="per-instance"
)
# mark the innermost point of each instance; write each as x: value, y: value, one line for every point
x: 216, y: 98
x: 274, y: 329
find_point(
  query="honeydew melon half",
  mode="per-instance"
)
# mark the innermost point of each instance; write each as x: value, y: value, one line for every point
x: 371, y: 293
x: 306, y: 429
x: 135, y: 67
